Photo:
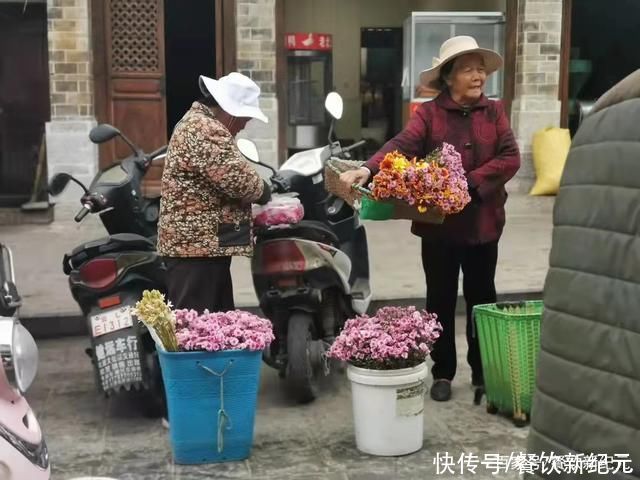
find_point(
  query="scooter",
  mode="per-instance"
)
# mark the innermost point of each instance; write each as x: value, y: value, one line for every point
x: 107, y: 276
x: 312, y: 276
x: 23, y: 451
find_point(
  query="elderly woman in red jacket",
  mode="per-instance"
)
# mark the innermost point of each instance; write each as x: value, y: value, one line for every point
x: 479, y: 129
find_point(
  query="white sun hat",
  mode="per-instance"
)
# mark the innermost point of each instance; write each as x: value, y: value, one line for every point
x: 454, y: 48
x: 236, y: 94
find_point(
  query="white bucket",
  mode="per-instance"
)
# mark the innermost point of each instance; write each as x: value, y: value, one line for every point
x: 388, y: 408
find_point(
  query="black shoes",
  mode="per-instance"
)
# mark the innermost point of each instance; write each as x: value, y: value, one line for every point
x: 441, y: 390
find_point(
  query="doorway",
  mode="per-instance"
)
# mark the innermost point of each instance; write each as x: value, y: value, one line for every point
x: 24, y: 97
x: 190, y: 51
x: 597, y: 62
x: 380, y: 84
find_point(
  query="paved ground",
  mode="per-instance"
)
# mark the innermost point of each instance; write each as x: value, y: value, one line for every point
x: 394, y: 257
x: 88, y: 435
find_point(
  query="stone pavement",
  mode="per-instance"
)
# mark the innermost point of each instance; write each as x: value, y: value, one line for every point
x: 90, y: 435
x: 394, y: 257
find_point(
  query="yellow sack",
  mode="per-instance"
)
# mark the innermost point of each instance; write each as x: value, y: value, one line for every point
x: 550, y: 150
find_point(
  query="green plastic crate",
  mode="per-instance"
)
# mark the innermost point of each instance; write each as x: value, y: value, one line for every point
x: 509, y: 337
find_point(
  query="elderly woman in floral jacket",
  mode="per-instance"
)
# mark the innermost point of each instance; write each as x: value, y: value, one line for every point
x: 207, y: 191
x: 478, y: 128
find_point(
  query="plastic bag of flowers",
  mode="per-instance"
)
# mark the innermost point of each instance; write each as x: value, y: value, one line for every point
x: 211, y: 370
x: 283, y: 209
x: 386, y: 356
x: 423, y: 190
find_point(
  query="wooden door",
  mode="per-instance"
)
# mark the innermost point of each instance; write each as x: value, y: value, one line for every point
x: 565, y: 59
x: 129, y: 69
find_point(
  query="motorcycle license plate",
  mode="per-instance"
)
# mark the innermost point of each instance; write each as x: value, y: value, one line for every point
x: 111, y: 321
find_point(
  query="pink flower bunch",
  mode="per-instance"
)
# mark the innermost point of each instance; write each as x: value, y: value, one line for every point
x: 212, y: 332
x: 280, y: 211
x: 395, y: 337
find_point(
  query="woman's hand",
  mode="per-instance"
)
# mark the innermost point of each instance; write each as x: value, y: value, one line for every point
x: 358, y: 176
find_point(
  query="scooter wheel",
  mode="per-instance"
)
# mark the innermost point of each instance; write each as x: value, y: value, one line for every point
x: 301, y: 380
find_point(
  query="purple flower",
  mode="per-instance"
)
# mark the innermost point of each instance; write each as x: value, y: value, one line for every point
x: 396, y: 337
x: 236, y: 330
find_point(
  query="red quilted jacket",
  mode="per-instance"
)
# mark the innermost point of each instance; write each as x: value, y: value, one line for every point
x: 490, y: 156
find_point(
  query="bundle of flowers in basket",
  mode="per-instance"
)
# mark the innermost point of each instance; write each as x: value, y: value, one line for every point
x: 206, y: 358
x: 386, y: 354
x: 435, y: 185
x: 423, y: 190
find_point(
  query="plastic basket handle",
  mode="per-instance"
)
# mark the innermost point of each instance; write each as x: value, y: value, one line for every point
x: 362, y: 190
x: 355, y: 187
x: 223, y: 419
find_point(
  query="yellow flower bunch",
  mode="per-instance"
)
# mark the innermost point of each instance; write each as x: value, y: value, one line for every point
x: 157, y: 315
x: 396, y: 162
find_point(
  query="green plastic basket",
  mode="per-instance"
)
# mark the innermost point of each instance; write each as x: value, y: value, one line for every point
x: 509, y: 337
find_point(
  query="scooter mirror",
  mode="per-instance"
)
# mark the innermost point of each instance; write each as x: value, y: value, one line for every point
x: 249, y: 150
x: 58, y: 183
x: 103, y: 133
x: 334, y: 105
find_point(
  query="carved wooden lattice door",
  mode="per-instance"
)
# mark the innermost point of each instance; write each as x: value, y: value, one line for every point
x: 134, y: 74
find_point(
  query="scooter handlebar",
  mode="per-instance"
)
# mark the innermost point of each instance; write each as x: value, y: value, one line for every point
x: 86, y: 210
x: 354, y: 146
x: 279, y: 184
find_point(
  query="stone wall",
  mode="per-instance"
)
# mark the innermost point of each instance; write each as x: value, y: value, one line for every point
x: 536, y: 104
x: 256, y: 47
x: 71, y: 87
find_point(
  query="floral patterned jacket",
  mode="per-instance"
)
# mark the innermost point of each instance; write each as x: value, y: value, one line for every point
x: 207, y: 191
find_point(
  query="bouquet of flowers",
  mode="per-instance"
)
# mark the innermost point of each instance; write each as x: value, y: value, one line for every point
x: 435, y: 182
x: 394, y: 338
x: 188, y: 330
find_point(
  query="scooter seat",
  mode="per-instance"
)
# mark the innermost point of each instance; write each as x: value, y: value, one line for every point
x: 306, y: 229
x: 114, y: 243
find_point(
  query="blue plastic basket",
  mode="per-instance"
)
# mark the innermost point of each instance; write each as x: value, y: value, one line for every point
x: 211, y: 398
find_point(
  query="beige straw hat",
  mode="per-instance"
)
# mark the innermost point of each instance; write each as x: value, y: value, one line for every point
x: 452, y: 49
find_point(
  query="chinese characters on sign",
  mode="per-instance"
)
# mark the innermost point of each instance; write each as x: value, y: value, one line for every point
x: 118, y: 361
x: 308, y: 41
x: 527, y: 463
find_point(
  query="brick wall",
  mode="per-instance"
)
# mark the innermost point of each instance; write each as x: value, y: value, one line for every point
x: 71, y: 85
x: 70, y: 59
x: 536, y: 104
x: 256, y: 47
x: 538, y: 54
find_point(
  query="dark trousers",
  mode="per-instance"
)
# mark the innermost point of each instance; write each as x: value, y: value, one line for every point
x: 200, y: 283
x: 442, y: 263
